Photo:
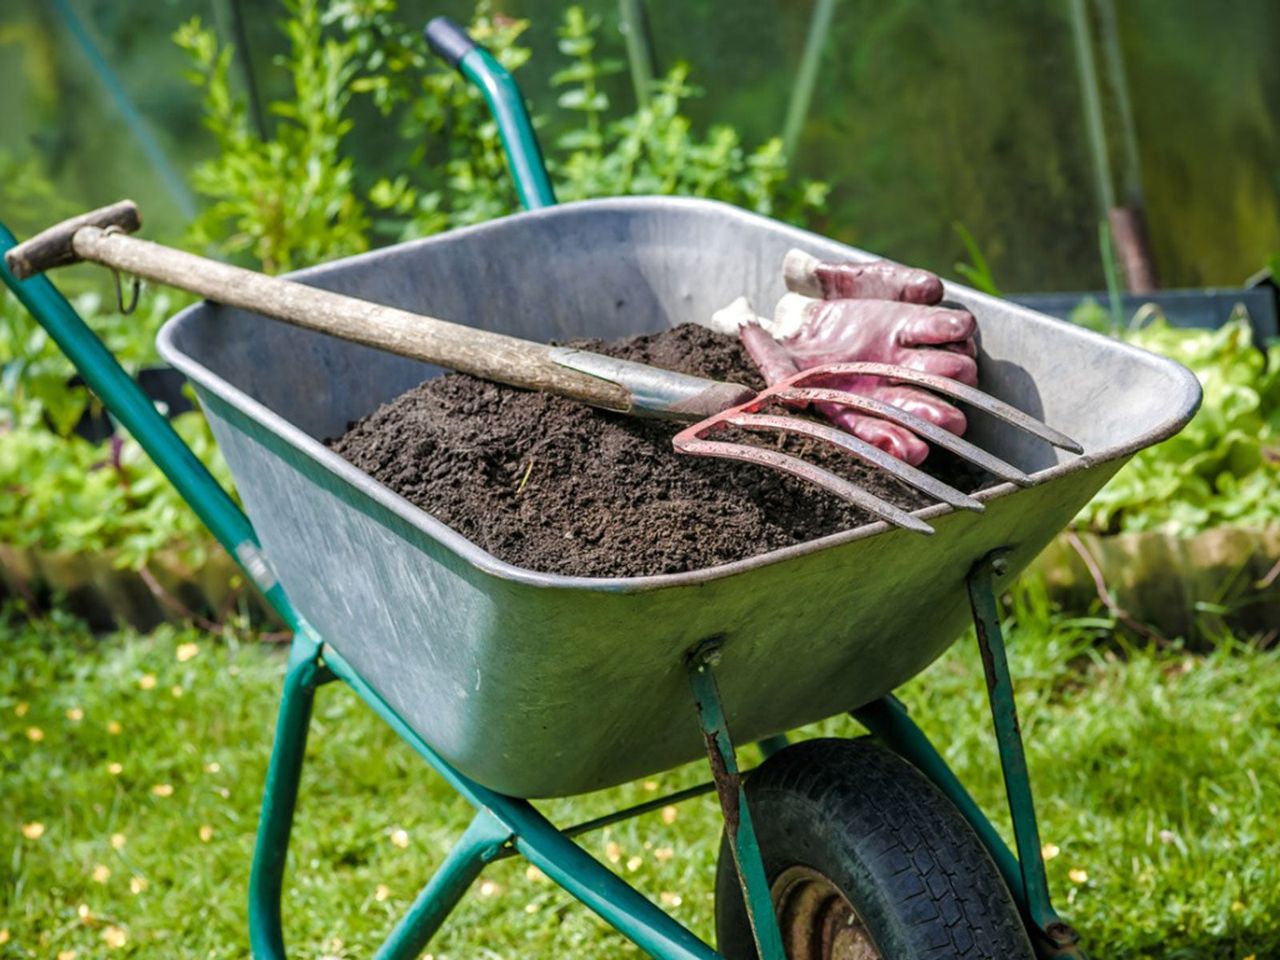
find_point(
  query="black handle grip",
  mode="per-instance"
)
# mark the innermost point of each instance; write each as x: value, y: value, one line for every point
x: 448, y: 41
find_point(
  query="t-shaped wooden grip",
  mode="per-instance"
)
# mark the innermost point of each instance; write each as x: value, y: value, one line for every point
x: 54, y: 248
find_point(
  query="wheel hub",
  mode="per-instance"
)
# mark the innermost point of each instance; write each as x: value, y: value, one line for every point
x: 817, y: 921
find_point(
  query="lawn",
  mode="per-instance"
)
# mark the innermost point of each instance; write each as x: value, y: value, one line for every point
x: 133, y: 766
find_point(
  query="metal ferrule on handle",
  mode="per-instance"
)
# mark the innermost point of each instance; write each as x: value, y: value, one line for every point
x: 656, y: 392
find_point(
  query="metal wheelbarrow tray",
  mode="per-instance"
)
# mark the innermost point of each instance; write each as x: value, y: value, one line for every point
x: 537, y: 684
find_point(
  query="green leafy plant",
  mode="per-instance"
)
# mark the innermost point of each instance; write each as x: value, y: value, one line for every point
x: 265, y: 204
x: 289, y: 199
x: 977, y: 272
x: 36, y: 378
x: 66, y: 495
x: 1224, y: 467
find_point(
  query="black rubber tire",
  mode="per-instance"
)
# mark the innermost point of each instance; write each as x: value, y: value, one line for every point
x: 888, y: 840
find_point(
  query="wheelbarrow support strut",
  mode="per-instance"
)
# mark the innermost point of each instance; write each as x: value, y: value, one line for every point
x: 888, y: 721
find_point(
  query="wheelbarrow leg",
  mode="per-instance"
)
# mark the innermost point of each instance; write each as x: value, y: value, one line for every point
x: 733, y: 802
x: 476, y: 848
x: 1053, y: 937
x: 280, y: 797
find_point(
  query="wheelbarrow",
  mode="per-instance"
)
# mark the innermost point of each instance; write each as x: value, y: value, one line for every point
x: 832, y: 848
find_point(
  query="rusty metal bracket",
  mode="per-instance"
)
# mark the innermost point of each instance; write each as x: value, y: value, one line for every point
x: 733, y: 799
x: 1053, y: 937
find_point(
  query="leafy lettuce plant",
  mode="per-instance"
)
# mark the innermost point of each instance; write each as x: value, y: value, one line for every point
x: 1224, y: 467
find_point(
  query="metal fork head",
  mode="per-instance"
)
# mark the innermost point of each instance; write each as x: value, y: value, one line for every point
x: 807, y: 387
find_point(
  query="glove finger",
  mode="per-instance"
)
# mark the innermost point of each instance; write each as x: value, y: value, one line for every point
x: 892, y: 439
x: 769, y: 356
x: 926, y: 406
x: 967, y: 347
x: 881, y: 280
x: 937, y: 328
x: 943, y: 363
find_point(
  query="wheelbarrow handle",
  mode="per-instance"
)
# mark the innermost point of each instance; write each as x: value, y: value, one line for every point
x: 448, y: 40
x: 620, y: 386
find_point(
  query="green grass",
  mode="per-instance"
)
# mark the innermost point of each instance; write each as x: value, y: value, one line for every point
x: 1157, y: 775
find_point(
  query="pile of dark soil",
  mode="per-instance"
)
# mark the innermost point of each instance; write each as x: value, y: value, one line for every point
x: 552, y: 485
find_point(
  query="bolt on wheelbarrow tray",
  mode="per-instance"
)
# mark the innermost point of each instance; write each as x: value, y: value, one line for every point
x: 538, y: 684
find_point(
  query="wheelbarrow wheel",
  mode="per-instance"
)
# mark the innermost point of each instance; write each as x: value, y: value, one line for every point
x: 866, y: 860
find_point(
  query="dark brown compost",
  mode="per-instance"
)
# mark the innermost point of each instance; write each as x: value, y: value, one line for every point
x: 549, y: 484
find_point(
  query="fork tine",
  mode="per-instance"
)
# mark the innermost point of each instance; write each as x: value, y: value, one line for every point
x: 689, y: 442
x: 860, y: 449
x: 946, y: 387
x: 929, y: 431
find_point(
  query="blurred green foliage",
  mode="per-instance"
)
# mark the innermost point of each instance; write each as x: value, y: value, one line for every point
x: 66, y: 495
x: 1224, y: 466
x: 289, y: 200
x: 295, y: 198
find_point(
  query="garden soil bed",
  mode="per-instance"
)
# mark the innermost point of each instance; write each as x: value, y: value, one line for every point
x: 549, y: 484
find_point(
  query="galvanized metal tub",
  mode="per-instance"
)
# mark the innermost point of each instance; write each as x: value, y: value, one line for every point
x: 539, y: 685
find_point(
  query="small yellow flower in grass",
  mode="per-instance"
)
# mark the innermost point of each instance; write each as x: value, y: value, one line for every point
x: 1237, y: 906
x: 1049, y: 851
x: 489, y: 889
x: 531, y: 908
x: 118, y: 840
x: 20, y: 709
x: 137, y: 884
x: 670, y: 899
x: 1252, y: 956
x: 162, y: 790
x: 66, y: 955
x: 651, y: 785
x: 663, y: 854
x: 400, y: 837
x: 213, y: 766
x: 186, y: 651
x: 115, y: 769
x: 35, y: 734
x: 634, y: 864
x: 381, y: 892
x: 612, y: 852
x: 669, y: 815
x: 33, y: 830
x: 534, y: 874
x: 1076, y: 875
x: 75, y: 714
x: 101, y: 873
x: 4, y: 936
x: 206, y: 833
x: 147, y: 681
x: 176, y: 690
x: 114, y: 937
x: 114, y: 728
x: 84, y: 913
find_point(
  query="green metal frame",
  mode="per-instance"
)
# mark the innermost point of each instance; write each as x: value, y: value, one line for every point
x: 519, y: 142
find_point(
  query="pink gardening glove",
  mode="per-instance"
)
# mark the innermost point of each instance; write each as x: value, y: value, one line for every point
x: 879, y: 312
x: 882, y: 331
